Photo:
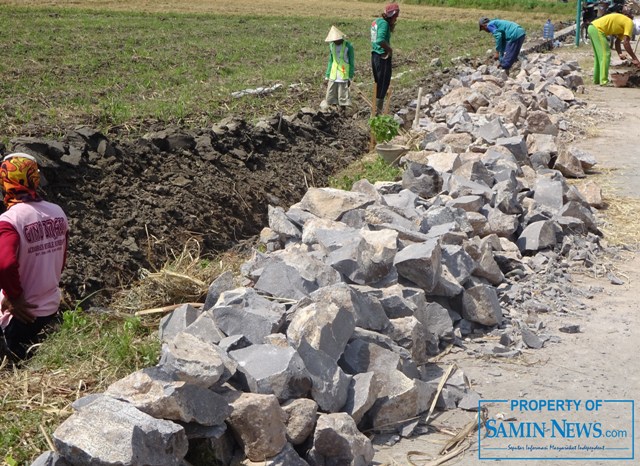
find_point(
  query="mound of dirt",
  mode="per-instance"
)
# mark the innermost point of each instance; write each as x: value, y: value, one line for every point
x: 130, y: 202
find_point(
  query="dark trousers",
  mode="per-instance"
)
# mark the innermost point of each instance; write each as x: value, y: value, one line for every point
x: 18, y: 337
x: 381, y: 74
x: 511, y: 52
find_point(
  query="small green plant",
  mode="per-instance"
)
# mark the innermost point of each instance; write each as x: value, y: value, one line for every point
x: 384, y: 128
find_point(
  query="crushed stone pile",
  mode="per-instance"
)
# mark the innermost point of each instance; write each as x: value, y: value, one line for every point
x: 331, y: 334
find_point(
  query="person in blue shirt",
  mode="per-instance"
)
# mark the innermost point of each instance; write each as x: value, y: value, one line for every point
x: 509, y: 38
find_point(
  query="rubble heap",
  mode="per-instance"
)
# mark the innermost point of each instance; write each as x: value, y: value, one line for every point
x: 332, y: 333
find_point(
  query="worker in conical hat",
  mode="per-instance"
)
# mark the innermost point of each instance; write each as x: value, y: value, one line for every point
x: 340, y: 69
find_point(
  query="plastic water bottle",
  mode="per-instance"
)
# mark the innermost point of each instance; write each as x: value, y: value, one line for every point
x: 547, y: 30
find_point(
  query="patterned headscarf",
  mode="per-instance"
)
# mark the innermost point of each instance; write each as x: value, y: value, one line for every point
x: 20, y: 178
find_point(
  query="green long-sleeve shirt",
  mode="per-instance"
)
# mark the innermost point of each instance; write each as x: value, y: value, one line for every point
x: 504, y: 31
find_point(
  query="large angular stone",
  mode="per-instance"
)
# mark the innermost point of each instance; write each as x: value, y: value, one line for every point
x: 539, y: 122
x: 420, y: 263
x: 444, y: 162
x: 332, y: 203
x: 459, y: 263
x: 366, y: 257
x: 569, y: 165
x: 324, y: 326
x: 272, y: 370
x: 581, y: 212
x: 205, y: 328
x: 224, y: 282
x: 330, y: 383
x: 190, y: 359
x: 412, y: 335
x: 492, y: 131
x: 281, y: 224
x: 549, y: 193
x: 176, y: 321
x: 517, y: 146
x: 300, y: 419
x: 400, y: 398
x: 592, y: 193
x: 367, y: 310
x: 337, y: 441
x: 422, y: 180
x: 537, y: 236
x: 244, y: 312
x: 293, y: 274
x: 363, y: 393
x: 541, y: 143
x: 107, y: 431
x: 561, y: 92
x: 257, y: 422
x: 480, y: 304
x: 154, y: 392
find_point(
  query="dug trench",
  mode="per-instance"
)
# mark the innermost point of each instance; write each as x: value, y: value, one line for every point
x: 134, y: 202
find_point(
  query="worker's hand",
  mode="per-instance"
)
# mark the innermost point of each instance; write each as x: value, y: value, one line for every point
x: 19, y: 308
x: 622, y: 56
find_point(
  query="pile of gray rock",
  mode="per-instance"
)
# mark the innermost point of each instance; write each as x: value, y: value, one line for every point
x: 331, y: 333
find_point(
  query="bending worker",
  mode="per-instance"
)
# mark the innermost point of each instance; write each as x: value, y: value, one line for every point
x: 509, y: 38
x: 381, y: 51
x: 33, y: 247
x: 622, y: 28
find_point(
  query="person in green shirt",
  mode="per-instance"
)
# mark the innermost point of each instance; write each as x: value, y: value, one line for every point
x: 381, y: 51
x: 509, y: 38
x: 340, y: 69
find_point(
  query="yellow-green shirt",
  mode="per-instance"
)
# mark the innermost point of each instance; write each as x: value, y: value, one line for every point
x: 614, y: 24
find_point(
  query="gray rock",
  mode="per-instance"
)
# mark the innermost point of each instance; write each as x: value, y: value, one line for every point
x: 287, y: 457
x: 422, y: 179
x: 257, y: 422
x: 50, y: 458
x: 293, y: 274
x: 300, y: 419
x: 109, y: 431
x: 367, y: 310
x: 330, y: 383
x: 366, y: 257
x: 282, y: 225
x: 469, y: 402
x: 323, y: 326
x: 244, y: 312
x: 337, y: 441
x: 205, y: 328
x: 363, y: 393
x: 420, y: 263
x: 272, y: 370
x: 517, y: 146
x: 480, y: 304
x: 530, y: 339
x: 154, y: 392
x: 192, y: 360
x: 460, y: 264
x: 224, y: 282
x: 332, y: 203
x: 537, y: 236
x: 549, y: 192
x: 176, y: 321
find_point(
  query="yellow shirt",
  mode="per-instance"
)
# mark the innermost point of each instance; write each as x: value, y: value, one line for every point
x: 614, y: 24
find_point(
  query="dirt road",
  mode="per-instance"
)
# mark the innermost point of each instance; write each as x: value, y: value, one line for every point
x: 600, y: 362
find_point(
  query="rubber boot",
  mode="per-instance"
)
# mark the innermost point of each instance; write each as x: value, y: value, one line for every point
x: 379, y: 106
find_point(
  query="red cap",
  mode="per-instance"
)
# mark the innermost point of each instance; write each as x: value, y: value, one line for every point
x: 391, y: 10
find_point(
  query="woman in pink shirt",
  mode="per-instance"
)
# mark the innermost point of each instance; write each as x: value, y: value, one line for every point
x: 33, y: 248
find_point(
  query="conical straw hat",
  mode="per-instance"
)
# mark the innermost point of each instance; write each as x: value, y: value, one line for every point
x: 334, y: 34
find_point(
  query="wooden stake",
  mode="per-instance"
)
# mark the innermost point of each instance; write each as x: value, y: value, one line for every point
x: 158, y: 310
x: 387, y: 104
x: 416, y: 119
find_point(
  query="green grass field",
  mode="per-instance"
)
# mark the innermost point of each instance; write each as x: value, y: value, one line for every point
x: 121, y: 69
